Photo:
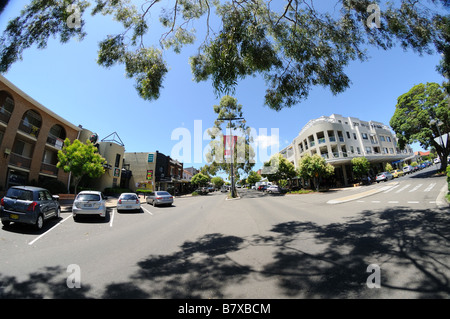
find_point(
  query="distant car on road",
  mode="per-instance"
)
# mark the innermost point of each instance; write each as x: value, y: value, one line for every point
x: 28, y: 205
x: 89, y: 203
x: 160, y: 198
x: 275, y: 189
x: 128, y: 201
x: 384, y: 176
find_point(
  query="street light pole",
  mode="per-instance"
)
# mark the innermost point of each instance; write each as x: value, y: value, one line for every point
x: 233, y: 190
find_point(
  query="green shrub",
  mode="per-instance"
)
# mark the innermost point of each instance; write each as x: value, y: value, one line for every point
x: 448, y: 177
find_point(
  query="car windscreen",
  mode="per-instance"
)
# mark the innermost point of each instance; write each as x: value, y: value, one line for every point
x: 88, y: 197
x: 162, y: 193
x: 128, y: 197
x: 21, y: 194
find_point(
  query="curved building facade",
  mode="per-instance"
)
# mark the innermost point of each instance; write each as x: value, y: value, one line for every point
x: 338, y: 139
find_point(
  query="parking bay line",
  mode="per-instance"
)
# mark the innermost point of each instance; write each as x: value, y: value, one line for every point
x: 112, y: 218
x: 43, y: 234
x: 147, y: 211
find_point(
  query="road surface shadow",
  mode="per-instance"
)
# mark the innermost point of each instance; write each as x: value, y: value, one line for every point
x: 411, y: 247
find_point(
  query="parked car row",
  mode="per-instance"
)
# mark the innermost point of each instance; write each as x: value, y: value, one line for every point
x: 35, y: 205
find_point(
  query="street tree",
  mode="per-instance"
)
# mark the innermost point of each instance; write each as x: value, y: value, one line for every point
x: 80, y: 159
x: 315, y: 168
x: 253, y: 177
x: 278, y: 168
x: 293, y: 44
x: 236, y: 135
x: 360, y: 167
x: 217, y: 181
x: 423, y: 115
x: 200, y: 180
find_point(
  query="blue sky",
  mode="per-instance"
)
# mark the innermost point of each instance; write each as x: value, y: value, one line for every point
x: 66, y: 79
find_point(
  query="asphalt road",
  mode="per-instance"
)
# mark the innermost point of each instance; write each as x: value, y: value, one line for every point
x: 259, y: 246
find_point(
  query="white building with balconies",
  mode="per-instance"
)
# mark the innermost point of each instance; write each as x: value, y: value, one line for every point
x: 338, y: 139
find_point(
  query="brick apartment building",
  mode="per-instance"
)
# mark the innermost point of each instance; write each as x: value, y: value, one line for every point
x: 30, y: 137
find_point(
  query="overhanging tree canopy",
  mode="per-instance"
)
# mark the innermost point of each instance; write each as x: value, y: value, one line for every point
x: 293, y: 44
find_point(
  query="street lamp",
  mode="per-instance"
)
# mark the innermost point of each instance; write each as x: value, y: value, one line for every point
x: 233, y: 190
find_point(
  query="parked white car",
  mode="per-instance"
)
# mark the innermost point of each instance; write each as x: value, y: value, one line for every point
x: 89, y: 203
x: 407, y: 169
x: 128, y: 201
x: 437, y: 160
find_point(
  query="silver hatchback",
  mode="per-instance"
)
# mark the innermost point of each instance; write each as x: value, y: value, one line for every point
x: 89, y: 203
x: 160, y: 198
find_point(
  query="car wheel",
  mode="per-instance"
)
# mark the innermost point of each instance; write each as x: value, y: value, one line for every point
x: 6, y: 223
x: 39, y: 222
x: 58, y: 212
x: 154, y: 204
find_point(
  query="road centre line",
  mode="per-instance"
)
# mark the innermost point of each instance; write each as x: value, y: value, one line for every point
x: 43, y: 234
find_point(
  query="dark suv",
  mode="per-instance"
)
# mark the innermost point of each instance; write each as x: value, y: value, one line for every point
x: 28, y: 205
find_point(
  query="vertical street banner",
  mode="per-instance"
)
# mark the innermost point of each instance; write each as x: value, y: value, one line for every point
x: 229, y: 142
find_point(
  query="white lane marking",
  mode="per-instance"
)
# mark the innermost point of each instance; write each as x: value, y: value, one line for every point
x: 392, y: 188
x: 413, y: 202
x: 147, y: 210
x: 430, y: 187
x: 403, y: 188
x: 393, y: 202
x: 415, y: 188
x: 43, y: 234
x: 112, y: 218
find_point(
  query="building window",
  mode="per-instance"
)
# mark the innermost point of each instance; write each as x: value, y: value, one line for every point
x: 358, y: 150
x: 364, y: 136
x: 368, y: 150
x: 352, y: 150
x: 348, y: 134
x: 354, y: 136
x: 117, y: 160
x: 382, y: 138
x: 388, y: 138
x: 391, y: 150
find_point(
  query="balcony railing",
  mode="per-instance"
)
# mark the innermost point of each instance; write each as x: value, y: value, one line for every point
x: 4, y: 116
x: 55, y: 141
x: 29, y: 129
x: 19, y: 161
x: 49, y: 169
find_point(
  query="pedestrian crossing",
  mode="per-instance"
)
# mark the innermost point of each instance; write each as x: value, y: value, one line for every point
x: 408, y: 188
